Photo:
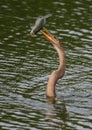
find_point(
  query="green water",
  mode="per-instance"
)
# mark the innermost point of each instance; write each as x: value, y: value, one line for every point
x: 26, y: 64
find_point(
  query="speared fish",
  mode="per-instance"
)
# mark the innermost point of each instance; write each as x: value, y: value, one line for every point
x: 40, y: 22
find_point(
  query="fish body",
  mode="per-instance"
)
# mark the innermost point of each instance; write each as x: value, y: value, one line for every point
x: 40, y: 22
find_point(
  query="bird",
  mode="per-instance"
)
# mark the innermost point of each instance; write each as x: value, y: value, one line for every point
x: 59, y: 73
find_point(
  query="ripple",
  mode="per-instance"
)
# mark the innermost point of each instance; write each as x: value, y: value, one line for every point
x: 26, y: 64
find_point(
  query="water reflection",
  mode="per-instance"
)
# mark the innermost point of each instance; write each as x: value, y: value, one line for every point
x: 54, y: 111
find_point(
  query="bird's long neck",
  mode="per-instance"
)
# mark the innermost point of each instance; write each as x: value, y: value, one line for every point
x: 55, y: 75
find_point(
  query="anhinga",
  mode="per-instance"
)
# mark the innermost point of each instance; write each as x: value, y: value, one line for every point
x: 59, y: 73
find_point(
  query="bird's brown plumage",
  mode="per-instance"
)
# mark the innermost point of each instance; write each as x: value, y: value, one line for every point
x: 59, y: 73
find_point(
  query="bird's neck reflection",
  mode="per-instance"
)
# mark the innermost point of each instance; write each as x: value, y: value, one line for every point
x: 57, y: 113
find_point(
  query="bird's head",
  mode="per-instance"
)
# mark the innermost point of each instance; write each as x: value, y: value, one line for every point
x: 49, y: 36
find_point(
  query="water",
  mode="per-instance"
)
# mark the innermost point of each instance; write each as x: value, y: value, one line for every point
x: 26, y: 63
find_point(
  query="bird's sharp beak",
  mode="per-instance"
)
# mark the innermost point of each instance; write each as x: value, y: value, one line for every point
x: 49, y: 36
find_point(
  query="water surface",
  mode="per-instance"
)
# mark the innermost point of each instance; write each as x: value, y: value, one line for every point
x: 26, y: 64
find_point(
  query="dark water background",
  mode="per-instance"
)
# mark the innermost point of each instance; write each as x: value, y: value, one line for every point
x: 26, y: 63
